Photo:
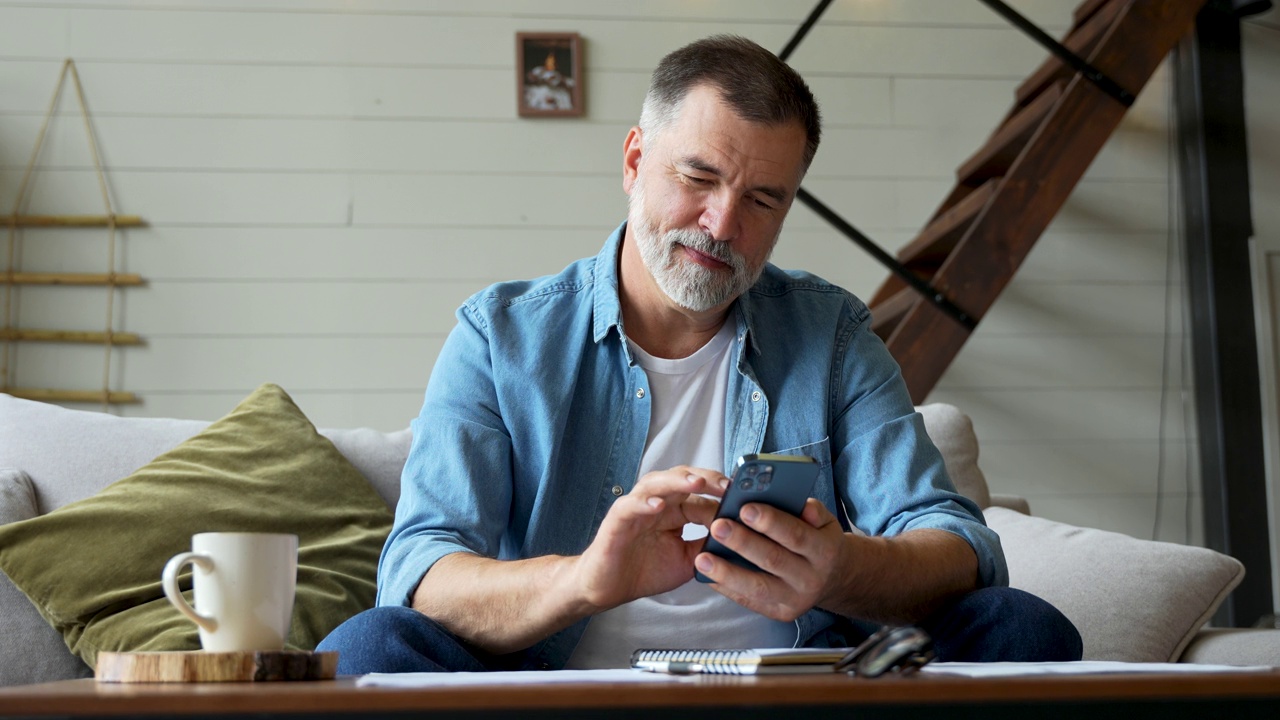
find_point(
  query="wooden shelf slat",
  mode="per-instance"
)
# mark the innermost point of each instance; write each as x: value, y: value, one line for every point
x: 997, y: 155
x: 886, y: 315
x: 1086, y: 11
x: 72, y: 396
x: 936, y: 241
x: 70, y: 220
x: 23, y: 278
x: 68, y: 336
x: 1082, y: 41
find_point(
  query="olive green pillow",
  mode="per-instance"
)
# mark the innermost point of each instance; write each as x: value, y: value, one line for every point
x: 92, y: 567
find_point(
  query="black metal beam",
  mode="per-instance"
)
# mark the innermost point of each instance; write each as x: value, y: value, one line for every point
x: 803, y: 29
x: 930, y: 293
x: 921, y: 286
x: 1077, y: 63
x: 1213, y: 162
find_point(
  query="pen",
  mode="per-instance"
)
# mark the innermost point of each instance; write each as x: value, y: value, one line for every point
x: 677, y: 668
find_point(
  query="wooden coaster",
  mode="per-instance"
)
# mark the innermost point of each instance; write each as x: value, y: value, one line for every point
x: 199, y: 666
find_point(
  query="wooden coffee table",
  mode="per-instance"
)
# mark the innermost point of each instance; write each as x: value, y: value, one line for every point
x: 1227, y: 695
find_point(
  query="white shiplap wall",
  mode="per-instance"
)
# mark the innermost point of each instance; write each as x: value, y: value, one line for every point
x: 326, y: 180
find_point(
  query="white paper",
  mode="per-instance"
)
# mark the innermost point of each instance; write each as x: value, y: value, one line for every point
x: 522, y: 677
x: 1091, y: 667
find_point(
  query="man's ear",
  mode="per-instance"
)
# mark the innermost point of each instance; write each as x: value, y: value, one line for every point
x: 632, y: 149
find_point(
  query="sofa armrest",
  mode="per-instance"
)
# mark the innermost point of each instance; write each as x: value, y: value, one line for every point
x: 1234, y: 646
x: 1016, y: 503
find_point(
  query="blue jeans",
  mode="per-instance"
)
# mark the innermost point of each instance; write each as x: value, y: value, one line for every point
x: 989, y: 625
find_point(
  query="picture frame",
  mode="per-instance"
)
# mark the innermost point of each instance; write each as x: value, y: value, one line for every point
x: 549, y: 81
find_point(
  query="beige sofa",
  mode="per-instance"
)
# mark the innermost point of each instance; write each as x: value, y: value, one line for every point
x: 1131, y: 599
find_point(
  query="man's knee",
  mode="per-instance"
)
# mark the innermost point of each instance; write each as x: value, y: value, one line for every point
x: 1004, y: 624
x: 391, y: 640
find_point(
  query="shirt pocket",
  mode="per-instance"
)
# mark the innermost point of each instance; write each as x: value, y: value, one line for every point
x: 820, y: 451
x: 824, y: 487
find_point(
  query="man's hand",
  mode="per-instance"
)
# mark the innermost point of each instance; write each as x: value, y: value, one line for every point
x: 810, y: 562
x: 639, y: 550
x: 502, y: 606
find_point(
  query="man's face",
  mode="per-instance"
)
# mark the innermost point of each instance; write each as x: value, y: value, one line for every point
x: 708, y: 197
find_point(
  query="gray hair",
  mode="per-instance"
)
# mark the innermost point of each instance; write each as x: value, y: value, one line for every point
x: 754, y: 82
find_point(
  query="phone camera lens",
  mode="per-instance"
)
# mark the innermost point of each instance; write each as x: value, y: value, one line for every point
x: 763, y: 480
x: 747, y: 483
x: 751, y: 470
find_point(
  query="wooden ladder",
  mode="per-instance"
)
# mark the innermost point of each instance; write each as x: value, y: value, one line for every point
x: 1011, y: 188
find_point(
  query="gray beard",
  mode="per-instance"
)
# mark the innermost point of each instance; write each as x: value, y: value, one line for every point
x: 688, y: 284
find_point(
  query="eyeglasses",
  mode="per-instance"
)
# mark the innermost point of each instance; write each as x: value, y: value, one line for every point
x: 897, y: 650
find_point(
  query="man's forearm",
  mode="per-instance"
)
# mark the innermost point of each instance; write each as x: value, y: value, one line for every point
x: 902, y: 579
x: 500, y: 606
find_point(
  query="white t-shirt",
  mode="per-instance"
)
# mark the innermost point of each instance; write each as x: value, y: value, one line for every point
x: 686, y: 427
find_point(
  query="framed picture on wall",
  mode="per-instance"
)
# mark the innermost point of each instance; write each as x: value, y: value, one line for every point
x: 549, y: 74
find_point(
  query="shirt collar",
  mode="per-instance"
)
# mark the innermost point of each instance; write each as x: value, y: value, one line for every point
x: 608, y: 307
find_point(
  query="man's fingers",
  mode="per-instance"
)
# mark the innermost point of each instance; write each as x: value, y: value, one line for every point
x: 769, y: 554
x: 699, y: 510
x: 682, y: 479
x: 753, y: 590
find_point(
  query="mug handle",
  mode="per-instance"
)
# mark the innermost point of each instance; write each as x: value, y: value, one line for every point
x: 170, y: 582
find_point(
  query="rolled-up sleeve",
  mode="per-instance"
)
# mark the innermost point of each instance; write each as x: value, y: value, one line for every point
x: 456, y: 488
x: 890, y: 476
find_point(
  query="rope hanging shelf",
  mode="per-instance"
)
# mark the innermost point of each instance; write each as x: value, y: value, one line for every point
x: 12, y: 278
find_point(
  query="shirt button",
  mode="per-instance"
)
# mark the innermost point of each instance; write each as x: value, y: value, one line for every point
x: 755, y: 396
x: 640, y: 393
x: 617, y: 491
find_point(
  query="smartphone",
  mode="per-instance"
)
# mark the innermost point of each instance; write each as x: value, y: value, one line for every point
x: 781, y: 481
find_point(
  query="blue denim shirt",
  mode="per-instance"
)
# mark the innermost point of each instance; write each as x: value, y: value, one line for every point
x: 533, y: 414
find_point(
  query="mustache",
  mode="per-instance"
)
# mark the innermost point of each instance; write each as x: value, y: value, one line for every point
x: 705, y: 244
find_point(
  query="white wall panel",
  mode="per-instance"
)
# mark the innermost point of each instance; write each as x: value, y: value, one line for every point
x: 261, y: 308
x: 1102, y: 257
x: 570, y: 201
x: 1087, y: 468
x: 220, y: 90
x: 1063, y: 415
x: 938, y: 51
x: 226, y: 363
x: 1050, y: 13
x: 1053, y: 362
x: 387, y: 410
x: 325, y: 181
x: 1076, y: 310
x: 219, y: 198
x: 28, y: 31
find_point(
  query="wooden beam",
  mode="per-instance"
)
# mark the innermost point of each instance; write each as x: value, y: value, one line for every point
x: 73, y: 396
x: 1037, y: 185
x: 70, y: 220
x: 69, y: 279
x: 68, y: 336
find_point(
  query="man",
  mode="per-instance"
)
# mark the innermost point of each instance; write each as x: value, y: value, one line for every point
x: 568, y: 450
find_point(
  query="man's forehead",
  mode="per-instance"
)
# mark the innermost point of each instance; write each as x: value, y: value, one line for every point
x: 710, y: 134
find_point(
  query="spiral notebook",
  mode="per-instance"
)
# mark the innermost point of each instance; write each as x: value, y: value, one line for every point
x: 765, y: 661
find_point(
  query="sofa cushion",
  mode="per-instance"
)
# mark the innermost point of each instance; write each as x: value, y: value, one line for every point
x: 952, y: 431
x: 1234, y: 646
x: 72, y: 454
x: 32, y: 650
x: 1132, y: 600
x: 93, y: 567
x: 17, y: 498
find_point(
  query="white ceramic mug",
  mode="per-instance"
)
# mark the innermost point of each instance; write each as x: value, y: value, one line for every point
x: 244, y: 585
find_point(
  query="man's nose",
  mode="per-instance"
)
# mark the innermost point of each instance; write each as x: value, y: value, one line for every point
x: 720, y: 218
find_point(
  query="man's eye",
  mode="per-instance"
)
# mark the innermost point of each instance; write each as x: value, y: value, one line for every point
x: 763, y: 205
x: 697, y: 180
